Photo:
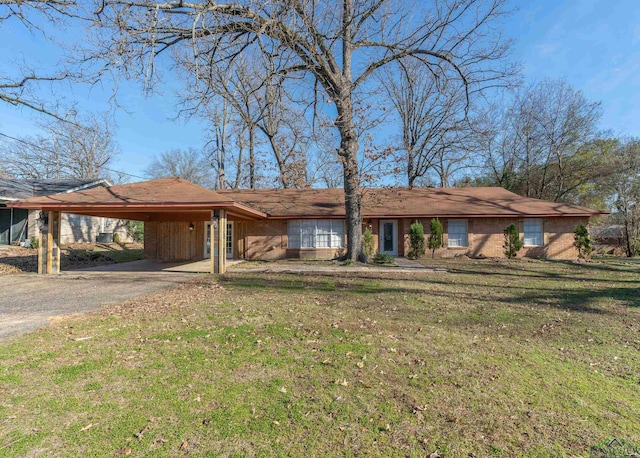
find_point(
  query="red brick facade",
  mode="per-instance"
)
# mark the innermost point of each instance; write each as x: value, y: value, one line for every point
x: 268, y: 239
x: 485, y: 237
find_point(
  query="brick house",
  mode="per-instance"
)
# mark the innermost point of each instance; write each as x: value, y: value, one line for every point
x: 473, y: 220
x: 181, y: 219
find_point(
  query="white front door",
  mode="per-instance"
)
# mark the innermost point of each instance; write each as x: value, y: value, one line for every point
x: 229, y: 244
x: 389, y: 237
x: 207, y: 240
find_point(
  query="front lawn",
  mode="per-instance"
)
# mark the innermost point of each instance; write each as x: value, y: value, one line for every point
x: 509, y: 358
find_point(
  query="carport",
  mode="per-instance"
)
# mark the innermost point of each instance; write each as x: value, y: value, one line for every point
x: 174, y: 212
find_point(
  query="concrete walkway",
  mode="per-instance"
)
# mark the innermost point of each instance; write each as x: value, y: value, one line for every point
x: 290, y: 266
x: 148, y: 265
x: 403, y: 265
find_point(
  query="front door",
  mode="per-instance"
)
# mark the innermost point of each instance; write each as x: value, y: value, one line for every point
x: 389, y: 236
x: 229, y: 244
x: 207, y: 240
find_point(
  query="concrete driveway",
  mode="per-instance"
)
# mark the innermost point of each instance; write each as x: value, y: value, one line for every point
x: 29, y: 301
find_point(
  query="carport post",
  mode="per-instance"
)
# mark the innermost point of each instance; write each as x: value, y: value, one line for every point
x: 49, y: 251
x: 218, y: 241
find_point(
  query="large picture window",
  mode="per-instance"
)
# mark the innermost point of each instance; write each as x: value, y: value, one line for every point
x: 315, y: 233
x: 532, y: 232
x: 457, y: 233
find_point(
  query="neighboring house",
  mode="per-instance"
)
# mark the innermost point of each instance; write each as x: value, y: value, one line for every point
x: 310, y: 223
x: 18, y: 225
x: 613, y: 235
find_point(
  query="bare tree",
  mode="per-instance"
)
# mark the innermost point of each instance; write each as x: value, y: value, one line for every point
x: 624, y: 186
x: 251, y: 88
x: 336, y: 49
x: 20, y: 89
x: 284, y: 129
x: 82, y: 148
x: 433, y: 118
x: 4, y: 173
x: 218, y: 112
x: 190, y: 164
x: 546, y: 143
x: 225, y: 96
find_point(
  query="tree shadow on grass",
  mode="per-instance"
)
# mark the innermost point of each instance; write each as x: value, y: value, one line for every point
x: 23, y: 263
x: 559, y: 297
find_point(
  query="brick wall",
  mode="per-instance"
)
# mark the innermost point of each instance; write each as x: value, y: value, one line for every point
x: 82, y: 228
x: 266, y: 240
x: 485, y: 237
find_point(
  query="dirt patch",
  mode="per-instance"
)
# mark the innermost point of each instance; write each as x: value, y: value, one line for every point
x: 15, y: 259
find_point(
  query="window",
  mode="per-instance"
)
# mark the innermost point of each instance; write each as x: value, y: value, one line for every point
x: 532, y: 232
x: 457, y: 232
x: 315, y: 233
x: 293, y: 232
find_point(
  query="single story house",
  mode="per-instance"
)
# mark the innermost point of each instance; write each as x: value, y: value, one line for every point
x: 19, y: 224
x: 181, y: 220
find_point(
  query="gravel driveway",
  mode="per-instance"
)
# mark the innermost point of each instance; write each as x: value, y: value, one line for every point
x: 29, y: 301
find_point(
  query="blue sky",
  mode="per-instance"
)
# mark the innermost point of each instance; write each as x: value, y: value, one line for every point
x: 593, y: 44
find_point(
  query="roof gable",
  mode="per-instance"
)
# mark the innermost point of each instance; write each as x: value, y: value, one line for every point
x: 13, y: 189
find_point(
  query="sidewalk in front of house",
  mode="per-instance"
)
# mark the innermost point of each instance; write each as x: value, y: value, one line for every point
x: 403, y: 265
x: 284, y: 266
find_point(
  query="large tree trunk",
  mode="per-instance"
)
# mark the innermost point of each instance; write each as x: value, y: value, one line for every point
x: 352, y: 198
x: 411, y: 175
x: 349, y: 141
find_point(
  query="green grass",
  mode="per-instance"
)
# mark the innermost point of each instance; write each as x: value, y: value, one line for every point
x: 509, y: 358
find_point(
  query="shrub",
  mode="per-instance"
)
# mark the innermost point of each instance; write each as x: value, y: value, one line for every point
x: 383, y: 258
x: 512, y: 242
x: 135, y: 229
x: 582, y: 241
x: 34, y: 243
x: 368, y: 243
x: 416, y: 240
x: 116, y: 237
x: 436, y: 236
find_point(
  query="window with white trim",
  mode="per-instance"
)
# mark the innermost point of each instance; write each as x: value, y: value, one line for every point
x: 533, y: 232
x: 457, y: 233
x: 315, y: 233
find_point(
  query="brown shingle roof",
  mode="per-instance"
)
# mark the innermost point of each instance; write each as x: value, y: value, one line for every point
x: 402, y: 202
x: 176, y: 194
x: 164, y: 193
